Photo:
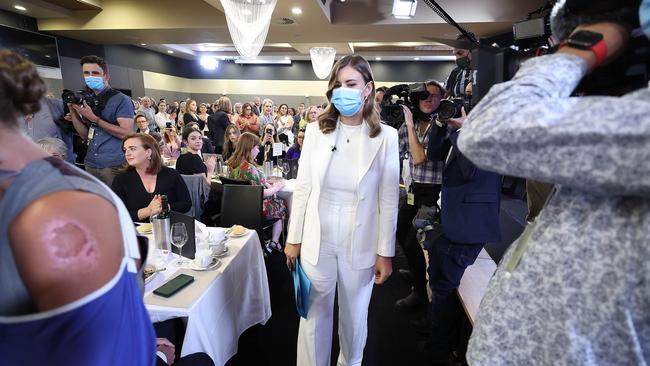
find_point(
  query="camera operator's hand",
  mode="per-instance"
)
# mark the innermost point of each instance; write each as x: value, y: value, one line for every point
x: 408, y: 117
x: 457, y: 123
x: 615, y: 36
x: 85, y: 111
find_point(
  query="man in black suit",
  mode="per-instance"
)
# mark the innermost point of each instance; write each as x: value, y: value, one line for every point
x: 470, y: 202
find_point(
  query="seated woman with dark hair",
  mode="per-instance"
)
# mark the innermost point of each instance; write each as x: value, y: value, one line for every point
x: 145, y: 180
x: 294, y: 151
x: 242, y: 165
x: 207, y: 147
x: 230, y: 139
x: 191, y: 162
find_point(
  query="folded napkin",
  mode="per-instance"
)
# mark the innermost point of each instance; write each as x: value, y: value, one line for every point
x: 302, y: 287
x: 205, y: 234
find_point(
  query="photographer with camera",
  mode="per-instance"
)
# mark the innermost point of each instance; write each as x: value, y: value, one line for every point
x: 573, y: 290
x: 425, y: 187
x: 102, y: 116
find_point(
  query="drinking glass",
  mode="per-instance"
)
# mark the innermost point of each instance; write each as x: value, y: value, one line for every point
x: 179, y: 238
x: 285, y: 167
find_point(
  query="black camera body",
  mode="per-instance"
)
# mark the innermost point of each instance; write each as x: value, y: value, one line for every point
x: 451, y: 107
x: 78, y: 97
x: 398, y: 96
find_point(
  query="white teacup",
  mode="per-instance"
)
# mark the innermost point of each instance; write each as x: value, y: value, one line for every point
x: 203, y: 258
x: 218, y: 247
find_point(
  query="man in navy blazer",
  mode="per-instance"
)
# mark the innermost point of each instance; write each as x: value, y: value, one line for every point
x: 470, y: 200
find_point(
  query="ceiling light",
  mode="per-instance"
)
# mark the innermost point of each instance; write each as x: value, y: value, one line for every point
x: 209, y: 62
x: 245, y: 61
x: 143, y: 44
x: 20, y: 7
x: 416, y: 59
x: 296, y: 11
x: 404, y: 9
x: 342, y: 1
x: 246, y: 12
x: 170, y: 51
x: 287, y: 58
x: 377, y: 58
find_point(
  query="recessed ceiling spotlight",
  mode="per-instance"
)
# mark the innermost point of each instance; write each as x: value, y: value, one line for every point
x: 143, y: 44
x: 170, y: 51
x: 342, y: 1
x: 416, y: 59
x: 296, y: 11
x: 20, y: 7
x: 377, y: 58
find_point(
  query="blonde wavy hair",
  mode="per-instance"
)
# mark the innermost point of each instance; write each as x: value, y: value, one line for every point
x: 328, y: 118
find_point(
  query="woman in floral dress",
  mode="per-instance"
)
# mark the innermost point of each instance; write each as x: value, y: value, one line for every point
x: 243, y: 167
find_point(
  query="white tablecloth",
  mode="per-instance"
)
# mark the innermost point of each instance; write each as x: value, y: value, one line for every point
x: 220, y: 304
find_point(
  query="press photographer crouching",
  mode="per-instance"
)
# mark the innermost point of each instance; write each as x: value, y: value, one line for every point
x: 573, y: 290
x: 102, y: 116
x: 426, y: 176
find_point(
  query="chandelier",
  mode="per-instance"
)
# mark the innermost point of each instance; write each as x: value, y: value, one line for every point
x: 322, y: 59
x: 248, y: 23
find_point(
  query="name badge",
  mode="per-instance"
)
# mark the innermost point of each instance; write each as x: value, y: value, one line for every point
x: 410, y: 198
x: 277, y: 149
x: 91, y: 133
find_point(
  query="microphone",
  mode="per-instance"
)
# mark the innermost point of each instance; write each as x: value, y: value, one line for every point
x: 333, y: 148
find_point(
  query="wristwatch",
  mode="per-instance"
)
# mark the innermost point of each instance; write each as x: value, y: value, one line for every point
x: 588, y: 41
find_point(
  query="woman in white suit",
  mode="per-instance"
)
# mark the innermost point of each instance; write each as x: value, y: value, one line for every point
x: 344, y: 213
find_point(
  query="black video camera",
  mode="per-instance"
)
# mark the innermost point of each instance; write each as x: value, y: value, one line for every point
x: 397, y: 96
x: 451, y: 107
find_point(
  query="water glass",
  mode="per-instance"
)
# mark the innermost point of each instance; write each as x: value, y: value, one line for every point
x: 179, y: 238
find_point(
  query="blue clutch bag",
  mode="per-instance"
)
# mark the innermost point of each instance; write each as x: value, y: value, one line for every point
x: 302, y: 286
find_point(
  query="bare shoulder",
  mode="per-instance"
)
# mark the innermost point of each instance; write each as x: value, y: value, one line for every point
x: 66, y: 245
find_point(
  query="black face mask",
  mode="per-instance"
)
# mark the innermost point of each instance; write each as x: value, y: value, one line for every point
x: 463, y: 62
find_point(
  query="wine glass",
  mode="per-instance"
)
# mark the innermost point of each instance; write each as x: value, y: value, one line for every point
x: 179, y: 238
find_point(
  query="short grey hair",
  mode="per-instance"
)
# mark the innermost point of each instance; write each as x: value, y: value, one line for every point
x: 53, y: 146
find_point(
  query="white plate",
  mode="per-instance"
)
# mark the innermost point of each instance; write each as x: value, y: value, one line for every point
x: 214, y: 265
x: 230, y: 235
x: 150, y: 278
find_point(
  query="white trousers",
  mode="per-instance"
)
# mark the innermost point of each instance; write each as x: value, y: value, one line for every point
x: 354, y: 289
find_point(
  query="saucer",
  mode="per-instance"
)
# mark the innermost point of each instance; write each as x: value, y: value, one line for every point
x: 238, y: 236
x: 214, y: 265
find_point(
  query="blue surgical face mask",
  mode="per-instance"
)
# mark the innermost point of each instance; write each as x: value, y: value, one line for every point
x: 95, y: 82
x: 347, y: 100
x: 644, y: 17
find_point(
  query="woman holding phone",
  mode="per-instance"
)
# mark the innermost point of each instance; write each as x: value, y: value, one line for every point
x: 344, y: 213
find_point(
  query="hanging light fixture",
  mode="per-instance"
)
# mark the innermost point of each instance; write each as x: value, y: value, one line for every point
x: 322, y: 59
x: 248, y: 23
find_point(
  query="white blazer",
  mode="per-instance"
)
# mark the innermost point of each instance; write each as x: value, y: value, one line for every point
x: 377, y: 195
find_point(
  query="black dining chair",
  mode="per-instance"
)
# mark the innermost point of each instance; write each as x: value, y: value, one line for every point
x: 242, y: 205
x: 239, y: 182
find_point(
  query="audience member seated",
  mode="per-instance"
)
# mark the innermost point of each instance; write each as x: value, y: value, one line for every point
x: 146, y: 179
x: 162, y: 117
x: 294, y: 151
x: 243, y: 167
x: 207, y: 147
x: 312, y: 116
x: 191, y: 162
x: 143, y: 125
x: 230, y: 141
x: 203, y: 116
x: 218, y: 122
x: 247, y: 121
x: 53, y: 146
x: 266, y: 150
x: 171, y: 143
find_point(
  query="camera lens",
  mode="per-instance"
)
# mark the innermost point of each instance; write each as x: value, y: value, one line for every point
x: 447, y: 109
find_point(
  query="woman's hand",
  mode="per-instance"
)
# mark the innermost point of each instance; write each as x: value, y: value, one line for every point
x: 292, y: 251
x: 383, y: 269
x: 165, y: 346
x: 408, y: 117
x: 155, y: 206
x: 211, y: 163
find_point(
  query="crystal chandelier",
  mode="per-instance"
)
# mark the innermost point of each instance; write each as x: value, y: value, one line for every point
x: 322, y: 59
x: 248, y: 23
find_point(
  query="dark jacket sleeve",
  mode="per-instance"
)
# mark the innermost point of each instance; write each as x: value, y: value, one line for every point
x: 119, y: 187
x: 439, y: 144
x: 467, y: 169
x: 182, y: 202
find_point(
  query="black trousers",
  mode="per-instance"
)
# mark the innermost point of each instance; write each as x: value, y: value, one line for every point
x: 425, y: 194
